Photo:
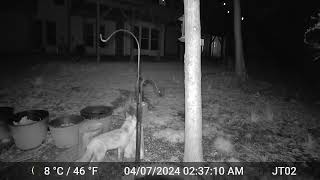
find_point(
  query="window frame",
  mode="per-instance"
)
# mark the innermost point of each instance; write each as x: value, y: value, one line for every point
x: 51, y: 35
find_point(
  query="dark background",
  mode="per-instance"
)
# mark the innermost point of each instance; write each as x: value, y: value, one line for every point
x: 273, y: 33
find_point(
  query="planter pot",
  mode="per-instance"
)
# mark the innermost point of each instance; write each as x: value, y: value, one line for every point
x: 65, y: 130
x: 100, y: 114
x: 96, y: 112
x: 29, y: 136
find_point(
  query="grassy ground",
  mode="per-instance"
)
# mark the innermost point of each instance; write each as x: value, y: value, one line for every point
x: 251, y: 122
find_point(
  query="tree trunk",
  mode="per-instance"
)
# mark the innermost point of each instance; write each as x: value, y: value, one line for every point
x: 224, y: 46
x: 225, y: 50
x: 239, y: 63
x: 192, y: 69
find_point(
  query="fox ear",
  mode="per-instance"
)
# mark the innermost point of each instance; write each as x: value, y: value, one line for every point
x: 131, y: 111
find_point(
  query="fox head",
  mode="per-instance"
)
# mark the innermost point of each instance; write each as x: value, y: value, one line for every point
x: 130, y: 123
x: 130, y: 111
x: 130, y: 114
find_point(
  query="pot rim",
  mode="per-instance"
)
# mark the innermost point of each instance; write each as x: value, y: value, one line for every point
x: 77, y: 120
x: 44, y: 116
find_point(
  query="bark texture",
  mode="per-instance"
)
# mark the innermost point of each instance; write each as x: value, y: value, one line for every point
x: 192, y: 69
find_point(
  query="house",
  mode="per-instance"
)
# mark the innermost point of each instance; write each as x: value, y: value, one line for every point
x: 70, y: 23
x: 16, y: 30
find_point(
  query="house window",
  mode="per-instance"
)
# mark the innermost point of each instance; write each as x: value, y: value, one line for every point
x: 51, y: 33
x: 37, y: 34
x: 149, y: 37
x: 59, y: 2
x: 136, y: 32
x: 144, y: 38
x: 102, y: 31
x: 155, y: 39
x: 88, y: 36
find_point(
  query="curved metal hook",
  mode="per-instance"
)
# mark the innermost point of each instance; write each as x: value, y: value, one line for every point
x: 139, y: 97
x: 124, y: 30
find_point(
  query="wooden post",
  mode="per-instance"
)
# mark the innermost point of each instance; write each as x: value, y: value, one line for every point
x: 192, y: 72
x: 98, y: 31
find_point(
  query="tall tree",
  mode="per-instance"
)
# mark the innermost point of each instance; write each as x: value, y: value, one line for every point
x: 240, y: 67
x: 192, y: 71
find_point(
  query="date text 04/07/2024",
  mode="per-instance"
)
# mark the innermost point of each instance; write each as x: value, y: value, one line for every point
x: 186, y: 171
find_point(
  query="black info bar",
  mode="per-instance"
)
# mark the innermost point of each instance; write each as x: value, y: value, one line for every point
x: 160, y: 170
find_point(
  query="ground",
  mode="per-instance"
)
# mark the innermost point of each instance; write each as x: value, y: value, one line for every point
x: 252, y: 122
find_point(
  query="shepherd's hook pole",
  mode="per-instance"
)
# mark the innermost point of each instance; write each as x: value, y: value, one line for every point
x: 139, y: 110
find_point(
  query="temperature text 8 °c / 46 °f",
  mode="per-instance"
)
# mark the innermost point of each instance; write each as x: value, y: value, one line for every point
x: 65, y: 171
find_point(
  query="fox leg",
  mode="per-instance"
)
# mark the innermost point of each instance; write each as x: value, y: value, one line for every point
x: 95, y: 152
x: 86, y: 157
x: 120, y: 153
x: 99, y: 153
x: 97, y: 157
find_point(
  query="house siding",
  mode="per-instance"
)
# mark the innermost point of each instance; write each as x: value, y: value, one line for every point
x: 149, y: 52
x: 127, y: 40
x: 50, y: 21
x: 171, y: 46
x: 76, y: 31
x: 50, y: 12
x: 109, y: 47
x: 15, y: 33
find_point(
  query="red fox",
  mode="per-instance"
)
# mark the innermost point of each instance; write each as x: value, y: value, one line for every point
x: 115, y: 139
x: 130, y: 150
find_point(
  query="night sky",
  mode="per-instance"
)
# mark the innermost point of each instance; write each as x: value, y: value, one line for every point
x: 275, y: 25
